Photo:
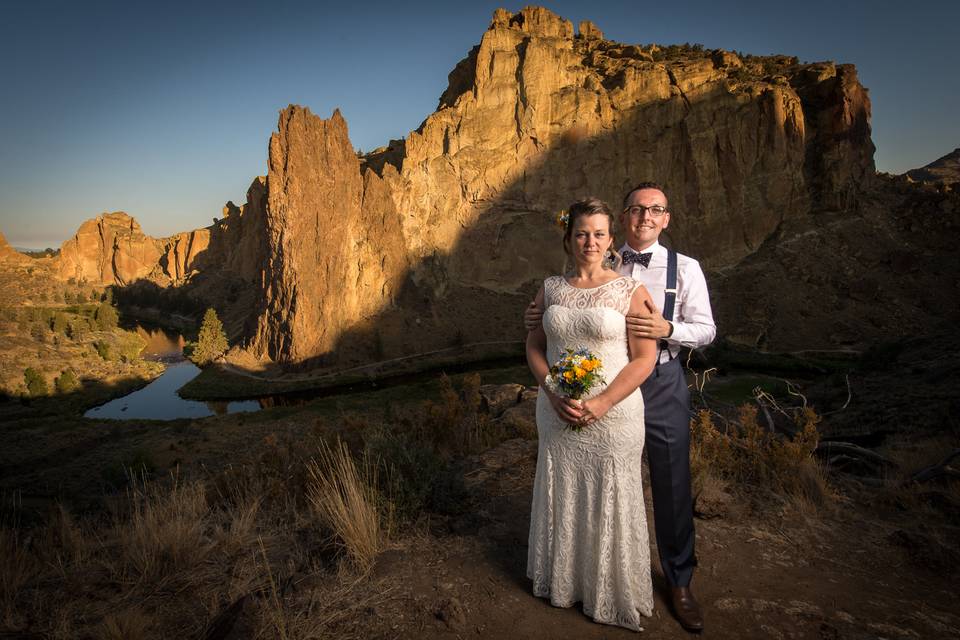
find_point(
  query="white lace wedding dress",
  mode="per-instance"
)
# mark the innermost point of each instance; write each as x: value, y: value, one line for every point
x: 588, y: 526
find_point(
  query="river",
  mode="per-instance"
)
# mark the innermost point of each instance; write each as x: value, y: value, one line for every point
x: 159, y: 400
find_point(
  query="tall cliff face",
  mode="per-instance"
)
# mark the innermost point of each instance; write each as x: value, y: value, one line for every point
x: 534, y: 118
x: 335, y: 249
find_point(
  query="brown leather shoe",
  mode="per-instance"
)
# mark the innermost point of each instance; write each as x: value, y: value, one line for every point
x: 686, y: 608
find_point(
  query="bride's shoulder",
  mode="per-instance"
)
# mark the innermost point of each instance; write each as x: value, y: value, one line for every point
x: 553, y: 281
x: 627, y: 284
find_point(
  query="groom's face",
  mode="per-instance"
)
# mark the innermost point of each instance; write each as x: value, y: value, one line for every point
x: 641, y: 225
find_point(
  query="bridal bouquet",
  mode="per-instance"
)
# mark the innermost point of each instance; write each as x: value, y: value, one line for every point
x: 574, y: 374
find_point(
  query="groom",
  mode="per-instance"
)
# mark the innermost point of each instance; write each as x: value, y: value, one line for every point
x: 677, y: 284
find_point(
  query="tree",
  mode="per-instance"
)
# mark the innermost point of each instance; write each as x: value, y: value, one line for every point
x: 60, y: 323
x: 212, y: 341
x: 106, y: 316
x: 78, y: 328
x: 66, y: 382
x: 36, y: 383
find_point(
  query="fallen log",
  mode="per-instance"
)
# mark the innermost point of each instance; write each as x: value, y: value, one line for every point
x: 939, y: 470
x: 832, y: 449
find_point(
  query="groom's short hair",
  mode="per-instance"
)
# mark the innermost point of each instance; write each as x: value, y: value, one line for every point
x: 645, y: 185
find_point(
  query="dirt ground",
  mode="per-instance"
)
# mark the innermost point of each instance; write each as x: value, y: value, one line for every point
x: 774, y: 573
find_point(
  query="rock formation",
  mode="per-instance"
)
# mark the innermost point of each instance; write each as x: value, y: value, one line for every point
x: 110, y: 249
x: 945, y: 170
x: 9, y: 255
x: 336, y: 253
x: 438, y: 240
x: 534, y: 118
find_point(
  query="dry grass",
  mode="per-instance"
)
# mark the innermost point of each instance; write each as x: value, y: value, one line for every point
x: 166, y: 565
x: 934, y: 498
x: 344, y: 495
x: 746, y: 453
x: 128, y: 624
x: 16, y: 570
x: 166, y: 530
x: 261, y: 544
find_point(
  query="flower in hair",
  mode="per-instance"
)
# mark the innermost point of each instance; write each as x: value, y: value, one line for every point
x: 563, y: 218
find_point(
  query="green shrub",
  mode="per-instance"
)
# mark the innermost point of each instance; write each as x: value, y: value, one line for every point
x: 66, y: 382
x: 104, y: 349
x: 36, y: 383
x: 106, y: 317
x: 59, y: 323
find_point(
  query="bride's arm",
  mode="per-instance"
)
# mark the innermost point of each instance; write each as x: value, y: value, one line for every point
x: 643, y: 356
x: 566, y: 408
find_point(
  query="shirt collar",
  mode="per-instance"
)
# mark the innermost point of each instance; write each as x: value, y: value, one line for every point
x: 654, y: 248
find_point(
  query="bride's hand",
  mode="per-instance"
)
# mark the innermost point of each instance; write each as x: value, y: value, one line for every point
x: 594, y: 409
x: 567, y: 408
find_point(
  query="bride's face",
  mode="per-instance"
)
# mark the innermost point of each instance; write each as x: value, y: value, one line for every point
x: 591, y: 238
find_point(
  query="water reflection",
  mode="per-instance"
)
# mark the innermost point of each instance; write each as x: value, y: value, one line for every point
x: 159, y: 400
x: 164, y: 345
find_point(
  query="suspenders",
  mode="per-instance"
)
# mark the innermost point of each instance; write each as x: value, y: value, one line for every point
x: 669, y: 298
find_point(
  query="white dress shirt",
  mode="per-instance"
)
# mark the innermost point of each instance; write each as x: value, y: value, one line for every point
x: 693, y: 324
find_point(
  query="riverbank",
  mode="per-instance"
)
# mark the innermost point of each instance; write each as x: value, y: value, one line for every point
x: 63, y: 355
x: 227, y: 381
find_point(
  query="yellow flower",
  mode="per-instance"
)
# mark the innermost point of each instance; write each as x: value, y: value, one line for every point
x: 577, y: 371
x: 588, y: 365
x: 568, y: 376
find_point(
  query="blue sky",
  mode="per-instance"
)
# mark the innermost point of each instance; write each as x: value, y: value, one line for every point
x: 164, y: 110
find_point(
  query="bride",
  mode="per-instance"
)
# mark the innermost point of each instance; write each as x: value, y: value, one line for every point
x: 588, y: 528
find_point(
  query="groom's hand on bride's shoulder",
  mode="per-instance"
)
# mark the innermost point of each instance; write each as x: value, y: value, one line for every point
x: 649, y: 323
x: 532, y: 316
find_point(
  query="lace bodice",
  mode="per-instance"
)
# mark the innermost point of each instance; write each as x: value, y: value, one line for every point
x: 614, y: 295
x: 588, y: 318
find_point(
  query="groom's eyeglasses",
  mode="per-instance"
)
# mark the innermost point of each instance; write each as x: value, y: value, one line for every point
x: 638, y: 210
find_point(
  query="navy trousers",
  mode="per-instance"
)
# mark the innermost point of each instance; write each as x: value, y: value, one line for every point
x: 667, y: 413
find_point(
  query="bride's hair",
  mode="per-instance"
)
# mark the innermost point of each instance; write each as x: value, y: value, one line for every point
x: 590, y: 207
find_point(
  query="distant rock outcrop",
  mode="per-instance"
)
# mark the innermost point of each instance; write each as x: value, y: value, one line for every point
x: 945, y: 170
x: 110, y: 249
x: 9, y: 255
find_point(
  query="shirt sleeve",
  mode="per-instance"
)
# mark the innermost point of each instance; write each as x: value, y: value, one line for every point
x: 694, y: 327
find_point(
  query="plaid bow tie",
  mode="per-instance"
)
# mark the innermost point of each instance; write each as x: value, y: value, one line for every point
x: 642, y: 259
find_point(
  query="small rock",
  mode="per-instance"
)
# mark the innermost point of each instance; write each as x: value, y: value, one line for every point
x: 450, y: 611
x: 728, y: 604
x: 843, y: 616
x: 496, y: 398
